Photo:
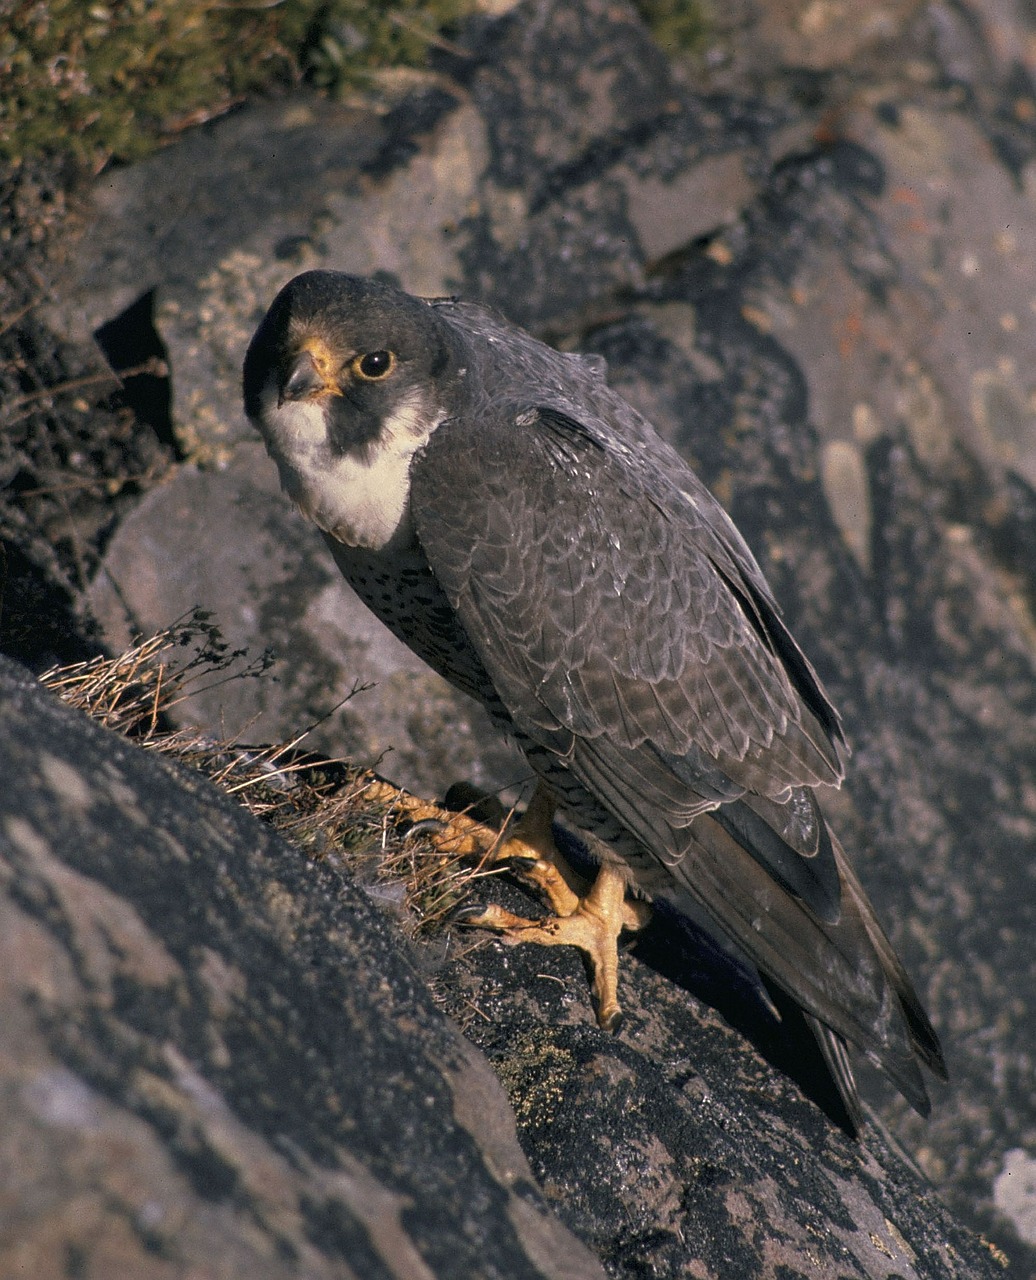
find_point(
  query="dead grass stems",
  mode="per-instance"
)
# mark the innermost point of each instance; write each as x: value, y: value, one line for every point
x: 326, y: 808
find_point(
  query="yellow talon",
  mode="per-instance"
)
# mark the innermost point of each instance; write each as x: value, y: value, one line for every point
x: 587, y: 915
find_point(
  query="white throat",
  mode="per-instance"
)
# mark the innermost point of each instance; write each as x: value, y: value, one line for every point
x: 360, y: 498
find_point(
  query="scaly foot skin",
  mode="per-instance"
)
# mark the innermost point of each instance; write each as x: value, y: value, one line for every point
x: 588, y: 916
x: 453, y: 833
x: 593, y: 926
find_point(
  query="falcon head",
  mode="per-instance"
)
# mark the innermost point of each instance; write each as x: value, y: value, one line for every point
x: 346, y: 379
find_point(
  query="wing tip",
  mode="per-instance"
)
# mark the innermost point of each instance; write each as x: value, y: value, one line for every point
x: 901, y: 1068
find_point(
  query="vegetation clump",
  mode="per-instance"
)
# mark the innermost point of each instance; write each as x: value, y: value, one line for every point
x: 327, y: 808
x: 113, y: 81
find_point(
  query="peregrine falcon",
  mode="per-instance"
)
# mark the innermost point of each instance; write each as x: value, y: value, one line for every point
x: 528, y: 534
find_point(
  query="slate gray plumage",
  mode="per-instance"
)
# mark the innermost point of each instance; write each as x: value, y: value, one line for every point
x: 528, y: 534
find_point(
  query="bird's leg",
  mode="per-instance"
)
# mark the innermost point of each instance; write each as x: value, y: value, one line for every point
x: 530, y: 850
x: 590, y: 916
x: 593, y: 926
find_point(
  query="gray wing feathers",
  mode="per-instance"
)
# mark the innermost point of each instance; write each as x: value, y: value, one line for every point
x: 627, y: 629
x: 831, y: 970
x: 826, y: 951
x: 605, y: 605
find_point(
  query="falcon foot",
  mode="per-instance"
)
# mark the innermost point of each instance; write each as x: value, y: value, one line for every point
x: 590, y: 916
x: 593, y: 925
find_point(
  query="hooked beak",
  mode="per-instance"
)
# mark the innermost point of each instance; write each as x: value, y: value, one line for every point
x: 303, y: 379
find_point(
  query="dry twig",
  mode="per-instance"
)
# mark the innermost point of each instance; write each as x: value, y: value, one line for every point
x: 327, y: 808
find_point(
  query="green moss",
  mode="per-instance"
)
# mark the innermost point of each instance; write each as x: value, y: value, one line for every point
x: 679, y: 26
x: 102, y: 81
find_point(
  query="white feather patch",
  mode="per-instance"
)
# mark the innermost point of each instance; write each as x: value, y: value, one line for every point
x: 361, y: 498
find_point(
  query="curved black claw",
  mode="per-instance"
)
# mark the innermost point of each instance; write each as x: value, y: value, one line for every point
x: 613, y: 1023
x: 426, y: 826
x: 521, y: 865
x: 466, y: 913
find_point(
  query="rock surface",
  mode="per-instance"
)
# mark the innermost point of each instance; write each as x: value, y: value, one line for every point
x: 219, y: 1061
x: 812, y: 266
x: 216, y: 1058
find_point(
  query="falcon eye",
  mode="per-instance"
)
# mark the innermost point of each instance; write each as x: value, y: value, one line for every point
x: 374, y: 365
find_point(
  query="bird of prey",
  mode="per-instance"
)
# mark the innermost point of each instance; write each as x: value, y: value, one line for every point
x: 529, y: 535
